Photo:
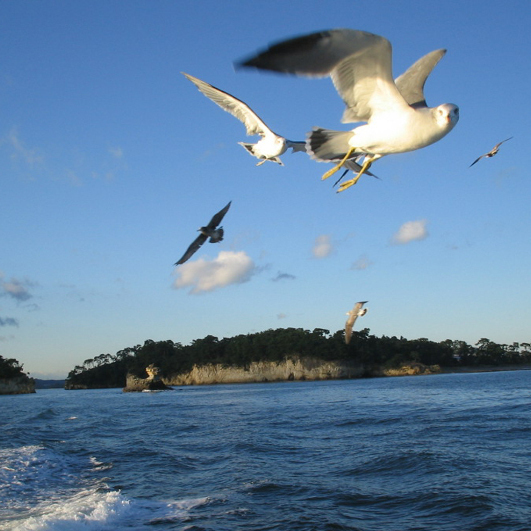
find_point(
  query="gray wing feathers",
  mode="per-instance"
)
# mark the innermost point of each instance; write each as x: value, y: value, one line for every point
x: 411, y: 82
x: 359, y: 77
x: 253, y: 123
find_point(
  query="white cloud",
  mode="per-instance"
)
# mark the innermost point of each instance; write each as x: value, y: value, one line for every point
x: 322, y: 246
x: 208, y: 275
x: 410, y: 231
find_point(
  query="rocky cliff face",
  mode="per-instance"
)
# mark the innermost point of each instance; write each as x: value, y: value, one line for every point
x: 268, y: 371
x: 17, y: 386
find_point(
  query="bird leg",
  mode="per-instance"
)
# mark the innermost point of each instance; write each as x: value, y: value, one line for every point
x: 347, y: 184
x: 336, y: 168
x: 342, y: 175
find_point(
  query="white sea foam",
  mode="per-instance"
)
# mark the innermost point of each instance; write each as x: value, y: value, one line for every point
x: 85, y: 510
x: 62, y: 501
x: 90, y: 510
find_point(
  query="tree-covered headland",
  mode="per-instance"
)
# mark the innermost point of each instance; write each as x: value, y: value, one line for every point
x: 13, y: 379
x: 10, y: 368
x: 107, y: 370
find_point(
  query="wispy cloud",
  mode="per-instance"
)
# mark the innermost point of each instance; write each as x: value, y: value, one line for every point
x: 15, y: 288
x: 20, y: 151
x: 322, y: 246
x: 208, y: 275
x: 283, y: 276
x: 411, y: 231
x: 8, y: 321
x: 72, y: 168
x: 361, y: 263
x: 116, y: 152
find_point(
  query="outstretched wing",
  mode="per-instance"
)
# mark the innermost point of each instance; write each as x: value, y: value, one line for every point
x: 194, y: 246
x: 478, y: 159
x: 498, y: 145
x: 358, y: 62
x: 253, y: 123
x: 411, y: 82
x: 216, y: 219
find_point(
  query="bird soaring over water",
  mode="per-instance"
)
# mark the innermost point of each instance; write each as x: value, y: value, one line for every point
x: 271, y: 146
x: 359, y: 64
x: 211, y: 231
x: 492, y: 152
x: 357, y: 311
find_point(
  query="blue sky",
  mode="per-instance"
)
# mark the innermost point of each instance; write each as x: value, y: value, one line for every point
x: 111, y: 160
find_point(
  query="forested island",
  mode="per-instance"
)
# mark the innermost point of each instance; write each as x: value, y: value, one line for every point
x: 13, y: 379
x: 291, y: 354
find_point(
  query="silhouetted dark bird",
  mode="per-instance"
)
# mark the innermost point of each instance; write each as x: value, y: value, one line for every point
x: 492, y: 152
x: 211, y: 231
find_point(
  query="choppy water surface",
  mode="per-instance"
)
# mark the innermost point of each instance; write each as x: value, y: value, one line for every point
x: 433, y: 453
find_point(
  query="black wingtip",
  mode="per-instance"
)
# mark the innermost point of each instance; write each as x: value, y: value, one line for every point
x: 272, y: 58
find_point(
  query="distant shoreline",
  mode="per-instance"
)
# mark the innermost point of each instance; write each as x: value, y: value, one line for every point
x: 469, y: 369
x: 485, y: 368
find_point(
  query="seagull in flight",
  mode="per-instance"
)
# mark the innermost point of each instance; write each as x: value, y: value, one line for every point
x: 211, y: 231
x: 357, y: 311
x: 411, y: 86
x: 271, y: 146
x: 492, y: 152
x: 360, y: 65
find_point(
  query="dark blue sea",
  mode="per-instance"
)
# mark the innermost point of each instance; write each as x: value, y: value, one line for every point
x: 446, y: 452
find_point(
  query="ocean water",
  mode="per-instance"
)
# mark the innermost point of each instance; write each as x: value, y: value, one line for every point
x: 433, y: 453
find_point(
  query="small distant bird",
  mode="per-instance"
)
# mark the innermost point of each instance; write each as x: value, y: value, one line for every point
x: 271, y: 146
x: 360, y: 66
x: 357, y: 311
x: 492, y: 152
x: 211, y: 231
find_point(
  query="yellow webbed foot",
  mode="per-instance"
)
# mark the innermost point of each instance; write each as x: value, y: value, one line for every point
x: 348, y: 184
x: 335, y: 168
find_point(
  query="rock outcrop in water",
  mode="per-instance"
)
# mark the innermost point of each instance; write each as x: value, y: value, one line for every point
x: 152, y: 383
x: 17, y: 386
